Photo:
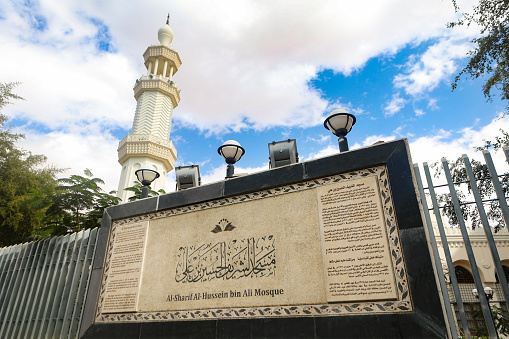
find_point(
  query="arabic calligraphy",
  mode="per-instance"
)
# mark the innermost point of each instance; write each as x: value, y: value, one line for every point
x: 235, y: 259
x: 356, y: 253
x: 126, y: 261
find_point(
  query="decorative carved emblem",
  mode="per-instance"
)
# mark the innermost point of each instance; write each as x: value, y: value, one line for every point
x: 223, y: 225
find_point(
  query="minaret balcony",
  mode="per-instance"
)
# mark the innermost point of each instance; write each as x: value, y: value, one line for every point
x: 147, y: 146
x: 157, y: 83
x: 163, y: 53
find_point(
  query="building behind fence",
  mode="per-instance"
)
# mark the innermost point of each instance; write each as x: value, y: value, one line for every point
x: 463, y: 271
x: 43, y: 284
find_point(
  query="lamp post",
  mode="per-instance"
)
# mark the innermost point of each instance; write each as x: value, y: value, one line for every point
x: 340, y: 123
x: 231, y: 151
x: 146, y: 176
x: 488, y: 291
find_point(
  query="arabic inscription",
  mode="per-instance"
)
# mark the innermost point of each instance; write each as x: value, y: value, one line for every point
x: 234, y: 259
x: 357, y: 263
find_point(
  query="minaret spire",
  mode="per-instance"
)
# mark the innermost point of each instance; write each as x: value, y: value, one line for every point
x: 148, y: 144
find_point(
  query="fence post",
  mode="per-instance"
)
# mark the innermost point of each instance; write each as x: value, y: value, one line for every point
x: 453, y: 331
x: 448, y: 258
x: 487, y: 227
x: 497, y: 186
x: 471, y: 258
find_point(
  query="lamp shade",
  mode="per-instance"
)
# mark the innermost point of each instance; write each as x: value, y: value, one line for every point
x: 146, y: 175
x: 489, y: 292
x: 340, y: 122
x: 231, y: 149
x: 475, y: 293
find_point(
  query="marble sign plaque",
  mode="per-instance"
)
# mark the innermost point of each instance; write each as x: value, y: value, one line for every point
x: 261, y: 254
x: 355, y: 250
x: 126, y: 264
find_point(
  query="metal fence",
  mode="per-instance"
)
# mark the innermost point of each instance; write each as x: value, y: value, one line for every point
x: 451, y: 291
x: 43, y: 285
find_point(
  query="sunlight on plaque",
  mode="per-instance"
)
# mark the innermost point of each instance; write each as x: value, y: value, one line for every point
x: 356, y: 256
x: 123, y: 283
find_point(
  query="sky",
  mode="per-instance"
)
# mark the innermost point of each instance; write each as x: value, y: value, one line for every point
x: 252, y: 71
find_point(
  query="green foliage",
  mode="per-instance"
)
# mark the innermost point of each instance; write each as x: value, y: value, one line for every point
x: 486, y: 190
x: 500, y: 142
x: 6, y: 93
x: 136, y: 189
x: 33, y: 203
x: 78, y: 201
x: 21, y: 174
x: 500, y: 318
x: 490, y: 57
x: 103, y: 200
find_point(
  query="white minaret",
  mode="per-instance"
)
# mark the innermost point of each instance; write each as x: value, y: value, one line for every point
x: 148, y: 144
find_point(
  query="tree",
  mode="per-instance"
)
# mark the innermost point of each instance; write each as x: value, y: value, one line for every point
x: 75, y: 197
x: 486, y: 190
x: 500, y: 318
x: 136, y: 188
x: 491, y: 53
x: 33, y: 203
x: 104, y: 200
x: 21, y: 174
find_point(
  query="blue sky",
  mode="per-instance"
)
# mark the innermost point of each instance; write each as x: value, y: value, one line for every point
x: 253, y: 71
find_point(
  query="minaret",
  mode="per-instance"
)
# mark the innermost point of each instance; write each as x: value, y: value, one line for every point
x: 148, y: 144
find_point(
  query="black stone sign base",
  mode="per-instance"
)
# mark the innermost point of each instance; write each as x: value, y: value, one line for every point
x: 426, y: 321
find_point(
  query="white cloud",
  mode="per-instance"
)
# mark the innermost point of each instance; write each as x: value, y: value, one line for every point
x: 419, y: 112
x: 246, y: 64
x: 322, y: 139
x: 450, y: 144
x: 219, y: 173
x: 333, y: 148
x: 438, y: 63
x: 432, y: 104
x: 77, y: 152
x: 394, y: 105
x: 374, y: 139
x: 329, y: 150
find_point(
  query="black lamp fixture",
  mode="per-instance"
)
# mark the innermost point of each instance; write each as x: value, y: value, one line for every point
x: 146, y: 176
x: 340, y: 123
x: 231, y: 151
x: 487, y: 290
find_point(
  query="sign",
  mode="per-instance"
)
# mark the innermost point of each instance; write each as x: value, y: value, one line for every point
x: 356, y: 256
x: 126, y: 264
x: 323, y: 247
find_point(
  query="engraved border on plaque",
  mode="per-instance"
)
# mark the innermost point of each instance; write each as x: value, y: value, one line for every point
x: 402, y: 304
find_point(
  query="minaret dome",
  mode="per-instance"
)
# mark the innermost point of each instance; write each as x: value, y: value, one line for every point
x: 165, y: 33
